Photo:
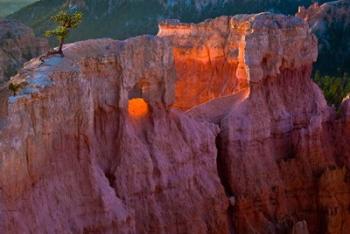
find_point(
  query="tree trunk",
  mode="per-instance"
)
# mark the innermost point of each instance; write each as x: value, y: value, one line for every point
x: 60, y: 48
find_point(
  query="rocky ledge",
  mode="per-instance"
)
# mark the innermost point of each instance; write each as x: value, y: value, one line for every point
x: 205, y: 128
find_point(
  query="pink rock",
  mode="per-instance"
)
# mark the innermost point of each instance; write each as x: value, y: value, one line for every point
x: 75, y: 161
x: 17, y: 45
x: 233, y: 135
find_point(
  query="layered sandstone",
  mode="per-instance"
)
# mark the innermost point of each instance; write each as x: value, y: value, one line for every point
x: 208, y: 128
x: 72, y: 150
x: 241, y: 50
x: 278, y: 154
x: 279, y: 158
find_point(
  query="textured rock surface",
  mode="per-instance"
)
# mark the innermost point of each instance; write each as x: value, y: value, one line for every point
x: 277, y: 152
x: 72, y: 151
x: 343, y: 133
x: 318, y: 16
x: 331, y: 23
x: 240, y: 50
x: 17, y: 45
x: 256, y: 151
x: 300, y: 228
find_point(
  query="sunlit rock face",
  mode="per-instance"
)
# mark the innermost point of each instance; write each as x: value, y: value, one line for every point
x: 278, y: 154
x: 17, y: 45
x: 208, y: 128
x: 203, y: 52
x: 223, y: 56
x: 76, y: 149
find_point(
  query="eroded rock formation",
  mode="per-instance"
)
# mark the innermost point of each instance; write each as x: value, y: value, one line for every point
x: 93, y: 168
x: 241, y: 50
x: 208, y: 128
x: 17, y: 45
x: 320, y: 15
x: 331, y: 23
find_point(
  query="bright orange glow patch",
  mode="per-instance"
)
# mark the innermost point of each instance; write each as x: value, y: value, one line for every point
x: 137, y: 107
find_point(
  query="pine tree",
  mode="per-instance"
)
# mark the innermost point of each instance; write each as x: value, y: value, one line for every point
x: 65, y: 22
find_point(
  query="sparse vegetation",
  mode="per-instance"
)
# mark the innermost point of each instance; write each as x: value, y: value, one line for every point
x: 14, y: 88
x: 65, y: 21
x: 335, y: 88
x: 124, y: 19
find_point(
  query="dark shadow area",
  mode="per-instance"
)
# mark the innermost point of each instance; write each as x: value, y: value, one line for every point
x: 111, y: 178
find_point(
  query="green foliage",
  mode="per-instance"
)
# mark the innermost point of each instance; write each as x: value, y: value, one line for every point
x: 60, y: 33
x: 335, y: 88
x: 65, y: 21
x: 14, y: 88
x: 124, y: 19
x: 68, y: 20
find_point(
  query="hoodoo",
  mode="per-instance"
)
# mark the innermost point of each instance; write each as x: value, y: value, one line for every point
x: 234, y: 136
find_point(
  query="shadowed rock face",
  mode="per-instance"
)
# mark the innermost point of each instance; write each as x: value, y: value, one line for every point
x: 331, y: 23
x: 232, y: 135
x: 17, y: 45
x: 278, y: 154
x: 92, y: 167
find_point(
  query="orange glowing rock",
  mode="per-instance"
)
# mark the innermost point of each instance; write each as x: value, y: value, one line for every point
x: 138, y: 107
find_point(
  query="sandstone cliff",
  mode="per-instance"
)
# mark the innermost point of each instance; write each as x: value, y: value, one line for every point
x: 89, y: 165
x: 331, y: 23
x: 17, y: 45
x: 206, y: 128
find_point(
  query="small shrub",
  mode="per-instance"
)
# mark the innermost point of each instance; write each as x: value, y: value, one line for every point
x: 14, y: 88
x: 65, y: 22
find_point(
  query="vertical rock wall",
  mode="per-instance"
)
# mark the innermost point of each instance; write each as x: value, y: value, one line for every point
x: 234, y: 136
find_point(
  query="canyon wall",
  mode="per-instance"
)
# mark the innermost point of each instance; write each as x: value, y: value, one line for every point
x: 331, y: 24
x: 278, y: 157
x: 205, y: 128
x: 17, y: 45
x: 72, y: 150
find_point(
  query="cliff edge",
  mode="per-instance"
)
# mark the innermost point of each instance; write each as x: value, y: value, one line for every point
x: 213, y: 127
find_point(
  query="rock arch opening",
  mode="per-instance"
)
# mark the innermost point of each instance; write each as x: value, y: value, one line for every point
x: 138, y: 106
